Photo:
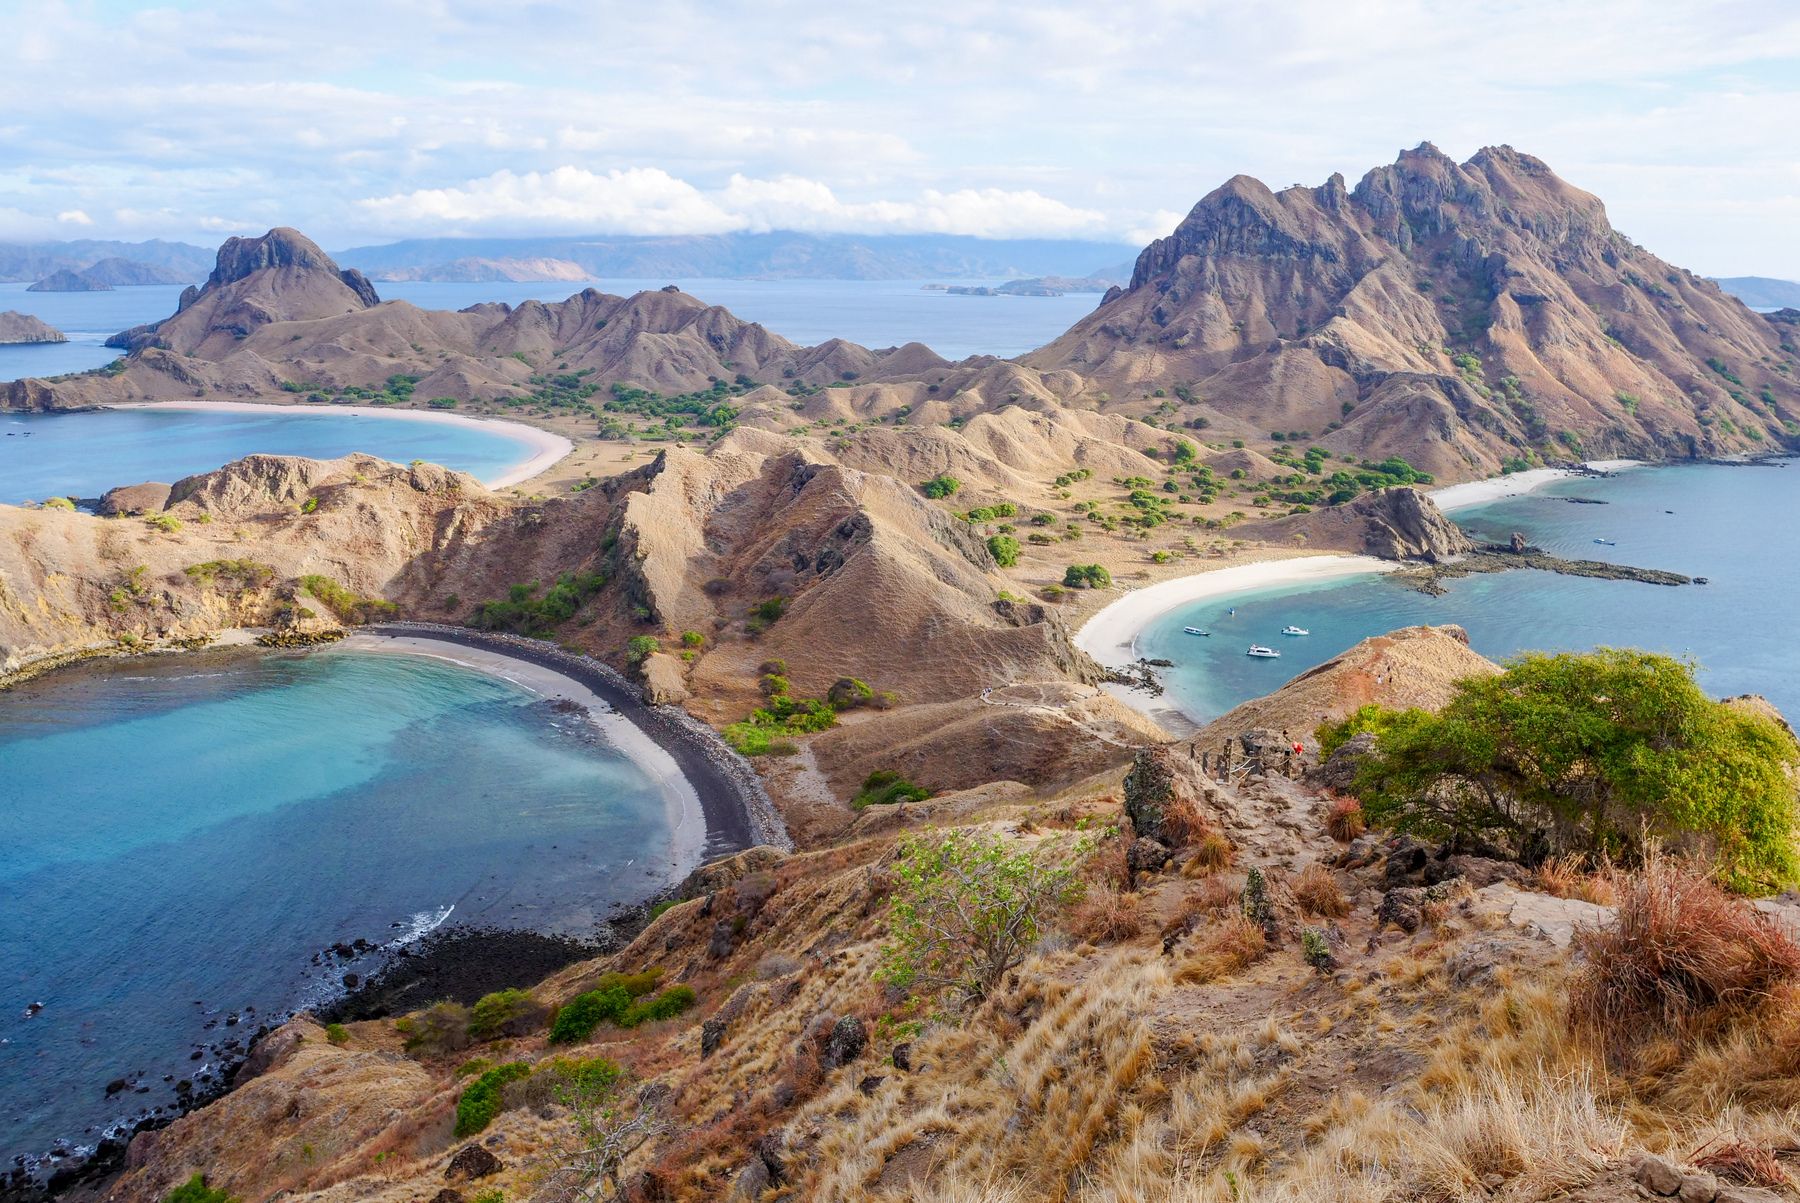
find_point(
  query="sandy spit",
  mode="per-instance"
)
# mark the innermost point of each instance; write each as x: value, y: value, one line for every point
x: 1480, y: 492
x: 546, y: 447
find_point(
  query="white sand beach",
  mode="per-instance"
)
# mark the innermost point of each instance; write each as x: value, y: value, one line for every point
x: 1480, y: 492
x: 687, y: 822
x: 546, y: 447
x: 1110, y: 636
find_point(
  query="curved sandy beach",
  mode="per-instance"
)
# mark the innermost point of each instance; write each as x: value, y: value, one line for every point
x: 1494, y: 488
x: 1110, y: 636
x: 546, y: 447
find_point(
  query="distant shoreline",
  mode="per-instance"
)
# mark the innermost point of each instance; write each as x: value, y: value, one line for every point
x: 547, y: 448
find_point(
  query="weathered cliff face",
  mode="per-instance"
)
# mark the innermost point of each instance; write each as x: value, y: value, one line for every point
x: 18, y: 327
x: 1398, y: 523
x: 1457, y: 314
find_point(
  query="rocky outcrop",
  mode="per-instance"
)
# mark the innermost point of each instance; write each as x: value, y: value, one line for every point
x: 133, y: 500
x: 18, y: 327
x: 1399, y: 523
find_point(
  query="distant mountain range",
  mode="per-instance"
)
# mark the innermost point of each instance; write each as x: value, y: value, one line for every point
x: 780, y: 255
x: 177, y: 262
x: 1762, y: 292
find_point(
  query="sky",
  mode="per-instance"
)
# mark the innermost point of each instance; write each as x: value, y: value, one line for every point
x: 364, y: 121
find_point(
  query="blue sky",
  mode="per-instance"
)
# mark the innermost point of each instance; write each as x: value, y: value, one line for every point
x: 366, y: 121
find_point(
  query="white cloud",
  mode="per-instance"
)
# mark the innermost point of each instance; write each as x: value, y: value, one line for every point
x: 74, y: 217
x: 648, y: 200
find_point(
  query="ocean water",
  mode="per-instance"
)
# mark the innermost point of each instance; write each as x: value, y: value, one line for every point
x: 178, y: 837
x: 876, y: 313
x: 1729, y: 524
x: 85, y: 454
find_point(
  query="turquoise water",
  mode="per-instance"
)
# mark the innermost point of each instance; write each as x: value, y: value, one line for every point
x: 1732, y: 525
x: 179, y: 837
x: 85, y: 454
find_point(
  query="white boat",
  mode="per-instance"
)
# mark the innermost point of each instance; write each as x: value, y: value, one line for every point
x: 1606, y: 542
x: 1290, y: 629
x: 1195, y: 631
x: 1262, y: 653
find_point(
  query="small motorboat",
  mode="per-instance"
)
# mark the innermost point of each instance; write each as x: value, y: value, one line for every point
x: 1262, y: 653
x: 1291, y: 629
x: 1195, y: 631
x: 1606, y: 542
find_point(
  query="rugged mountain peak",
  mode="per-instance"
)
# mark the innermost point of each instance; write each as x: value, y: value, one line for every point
x: 283, y: 247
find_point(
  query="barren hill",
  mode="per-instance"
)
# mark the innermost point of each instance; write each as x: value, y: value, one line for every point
x: 18, y: 327
x: 1461, y: 315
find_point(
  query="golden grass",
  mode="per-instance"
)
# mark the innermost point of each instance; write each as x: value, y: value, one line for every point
x: 1225, y: 949
x: 1316, y: 889
x: 1345, y: 821
x: 1107, y: 916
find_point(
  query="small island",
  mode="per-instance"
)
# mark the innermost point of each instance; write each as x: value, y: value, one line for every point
x: 18, y: 327
x: 68, y: 281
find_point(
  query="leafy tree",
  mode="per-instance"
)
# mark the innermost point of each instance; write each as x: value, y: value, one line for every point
x: 1005, y: 550
x: 967, y: 909
x: 641, y: 647
x: 939, y: 487
x: 505, y: 1013
x: 1595, y: 752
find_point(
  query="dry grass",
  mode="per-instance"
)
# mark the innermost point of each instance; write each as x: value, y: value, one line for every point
x: 1344, y: 821
x: 1211, y: 853
x: 1681, y: 958
x: 1316, y: 889
x: 1225, y: 949
x: 1568, y: 876
x: 1107, y: 916
x: 1737, y: 1161
x: 1184, y: 825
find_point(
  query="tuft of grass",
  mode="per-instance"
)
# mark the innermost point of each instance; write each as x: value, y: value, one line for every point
x: 1345, y: 821
x: 1106, y: 916
x: 1233, y: 945
x: 1680, y: 956
x: 1316, y: 888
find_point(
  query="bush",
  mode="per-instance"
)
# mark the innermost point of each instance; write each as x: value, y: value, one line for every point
x: 1004, y: 549
x: 1108, y: 916
x: 1230, y: 946
x: 1679, y: 953
x: 440, y: 1028
x: 967, y: 908
x: 1086, y: 576
x: 168, y: 524
x: 337, y: 1033
x: 1316, y: 889
x: 692, y: 639
x: 666, y: 1005
x: 939, y: 487
x: 505, y: 1013
x: 885, y: 787
x: 58, y: 503
x: 483, y: 1098
x: 347, y: 604
x: 195, y: 1190
x: 528, y: 614
x: 609, y: 1000
x: 1591, y: 752
x: 847, y: 693
x: 1344, y: 821
x: 585, y: 1012
x: 562, y: 1080
x: 640, y: 648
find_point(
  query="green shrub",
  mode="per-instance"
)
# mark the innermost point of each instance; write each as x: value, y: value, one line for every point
x: 440, y: 1028
x: 347, y: 604
x: 168, y: 524
x: 940, y: 486
x: 968, y: 908
x: 666, y: 1005
x: 585, y: 1012
x: 483, y: 1098
x: 884, y: 787
x: 1595, y: 753
x: 692, y: 639
x: 337, y: 1033
x: 1004, y: 549
x: 1086, y: 576
x: 234, y: 574
x: 847, y: 693
x: 58, y: 503
x: 505, y: 1013
x: 525, y: 613
x: 641, y: 647
x: 195, y: 1190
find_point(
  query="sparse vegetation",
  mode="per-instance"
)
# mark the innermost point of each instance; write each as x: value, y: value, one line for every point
x: 506, y: 1013
x: 525, y: 613
x: 1086, y: 576
x: 885, y: 787
x: 347, y: 604
x: 940, y: 487
x: 483, y: 1098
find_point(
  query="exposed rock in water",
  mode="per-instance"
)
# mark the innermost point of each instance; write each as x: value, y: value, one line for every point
x: 68, y: 281
x: 16, y: 327
x: 1492, y: 557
